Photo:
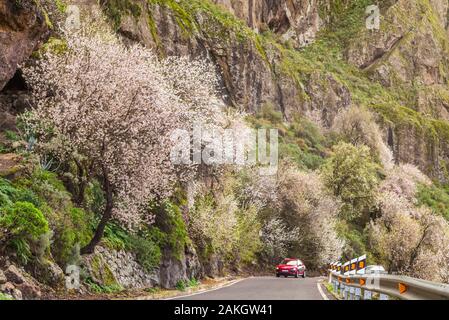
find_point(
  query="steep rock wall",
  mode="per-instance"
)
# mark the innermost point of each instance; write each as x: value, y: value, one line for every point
x: 22, y: 28
x: 410, y: 55
x: 250, y: 69
x: 295, y: 20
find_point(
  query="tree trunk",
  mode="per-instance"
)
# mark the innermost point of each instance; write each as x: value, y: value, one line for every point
x: 107, y: 215
x: 79, y: 199
x: 82, y: 183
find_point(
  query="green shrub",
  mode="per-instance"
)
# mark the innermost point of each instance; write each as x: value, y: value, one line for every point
x: 300, y: 140
x: 4, y: 297
x: 4, y: 200
x: 170, y: 222
x: 97, y: 288
x: 21, y: 225
x: 47, y: 189
x: 435, y: 197
x: 72, y: 231
x: 115, y: 9
x: 352, y: 175
x: 169, y: 231
x: 148, y: 251
x: 13, y: 193
x: 24, y: 219
x: 115, y: 237
x: 11, y: 135
x: 22, y: 249
x: 146, y: 244
x: 153, y: 290
x: 247, y: 233
x: 183, y: 285
x: 71, y: 226
x: 7, y: 191
x: 177, y: 237
x: 356, y: 240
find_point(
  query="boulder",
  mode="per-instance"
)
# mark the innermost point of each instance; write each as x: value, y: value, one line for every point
x: 3, y: 278
x: 194, y: 269
x: 30, y: 290
x: 49, y: 273
x: 19, y: 284
x: 7, y: 288
x: 17, y: 294
x: 10, y: 165
x: 99, y: 270
x: 22, y: 28
x: 14, y: 275
x: 172, y: 271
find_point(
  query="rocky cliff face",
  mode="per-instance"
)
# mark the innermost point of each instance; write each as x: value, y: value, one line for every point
x: 295, y: 20
x: 22, y: 28
x: 411, y: 54
x: 264, y: 54
x: 400, y: 71
x: 250, y: 65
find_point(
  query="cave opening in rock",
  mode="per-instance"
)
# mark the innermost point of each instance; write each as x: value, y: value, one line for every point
x: 16, y: 83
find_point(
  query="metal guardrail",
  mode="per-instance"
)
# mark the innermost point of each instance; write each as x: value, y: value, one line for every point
x: 356, y: 287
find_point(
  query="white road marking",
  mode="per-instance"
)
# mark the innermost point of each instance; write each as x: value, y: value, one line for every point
x: 323, y: 295
x: 205, y: 291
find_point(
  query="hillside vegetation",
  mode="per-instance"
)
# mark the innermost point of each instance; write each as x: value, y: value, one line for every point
x: 86, y: 176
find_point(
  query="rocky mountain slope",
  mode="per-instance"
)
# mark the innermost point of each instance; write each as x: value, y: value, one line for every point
x: 268, y: 57
x: 22, y: 28
x: 312, y: 58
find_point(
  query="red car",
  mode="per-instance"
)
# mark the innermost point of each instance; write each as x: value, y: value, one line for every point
x: 291, y: 267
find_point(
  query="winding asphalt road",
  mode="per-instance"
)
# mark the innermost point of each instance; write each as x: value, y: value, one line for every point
x: 264, y: 288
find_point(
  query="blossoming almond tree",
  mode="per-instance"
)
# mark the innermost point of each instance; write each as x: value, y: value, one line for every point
x: 111, y: 109
x: 307, y: 204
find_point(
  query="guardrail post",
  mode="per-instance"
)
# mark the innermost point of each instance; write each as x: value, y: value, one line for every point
x: 351, y: 293
x: 367, y: 295
x: 384, y: 297
x: 346, y: 293
x: 358, y: 294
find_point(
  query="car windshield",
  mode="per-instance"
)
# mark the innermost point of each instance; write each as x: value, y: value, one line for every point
x: 289, y: 262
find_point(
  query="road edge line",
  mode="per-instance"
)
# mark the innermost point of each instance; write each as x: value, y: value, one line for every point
x: 206, y: 291
x: 323, y: 295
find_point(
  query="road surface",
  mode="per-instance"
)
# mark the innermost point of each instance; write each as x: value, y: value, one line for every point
x: 264, y: 288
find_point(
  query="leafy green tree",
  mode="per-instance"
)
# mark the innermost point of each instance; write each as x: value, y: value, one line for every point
x: 351, y: 174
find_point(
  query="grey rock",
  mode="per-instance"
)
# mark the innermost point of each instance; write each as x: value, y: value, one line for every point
x: 125, y: 268
x: 49, y: 273
x: 22, y: 27
x: 30, y: 290
x: 17, y: 294
x: 294, y: 20
x: 7, y: 288
x: 3, y: 278
x: 13, y: 274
